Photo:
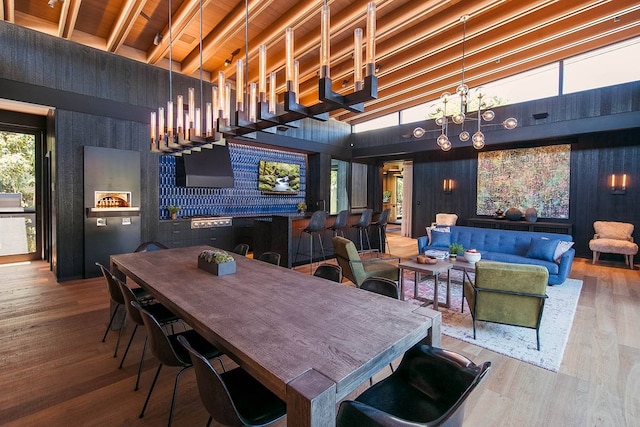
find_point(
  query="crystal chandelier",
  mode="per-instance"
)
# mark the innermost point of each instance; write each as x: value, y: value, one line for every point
x: 460, y: 117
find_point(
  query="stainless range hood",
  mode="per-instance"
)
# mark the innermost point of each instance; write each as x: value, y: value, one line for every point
x: 206, y: 168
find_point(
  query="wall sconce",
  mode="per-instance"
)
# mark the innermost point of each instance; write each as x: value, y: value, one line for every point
x: 447, y: 186
x: 618, y: 184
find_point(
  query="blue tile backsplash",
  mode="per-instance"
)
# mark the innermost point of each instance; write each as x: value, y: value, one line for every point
x: 244, y: 199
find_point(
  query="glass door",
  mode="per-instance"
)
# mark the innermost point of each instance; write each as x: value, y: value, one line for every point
x: 18, y: 224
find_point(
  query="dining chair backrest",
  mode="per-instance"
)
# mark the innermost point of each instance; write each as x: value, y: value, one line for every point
x: 114, y: 290
x: 161, y: 348
x: 241, y: 249
x: 382, y: 286
x: 150, y: 246
x: 330, y: 272
x: 128, y: 296
x: 270, y: 257
x: 213, y: 392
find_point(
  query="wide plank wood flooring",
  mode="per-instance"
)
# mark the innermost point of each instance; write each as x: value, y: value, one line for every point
x: 54, y: 370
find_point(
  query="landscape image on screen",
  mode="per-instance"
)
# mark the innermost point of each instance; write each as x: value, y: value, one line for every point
x: 278, y: 177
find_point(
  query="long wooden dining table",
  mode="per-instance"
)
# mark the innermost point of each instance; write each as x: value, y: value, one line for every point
x: 309, y: 340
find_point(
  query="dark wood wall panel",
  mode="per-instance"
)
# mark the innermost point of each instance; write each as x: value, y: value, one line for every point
x: 594, y: 158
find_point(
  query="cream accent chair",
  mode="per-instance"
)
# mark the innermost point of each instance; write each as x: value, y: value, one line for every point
x: 446, y: 219
x: 613, y: 238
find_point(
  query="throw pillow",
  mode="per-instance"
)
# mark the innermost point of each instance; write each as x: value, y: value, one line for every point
x: 542, y: 249
x: 440, y: 238
x: 436, y: 227
x: 561, y: 249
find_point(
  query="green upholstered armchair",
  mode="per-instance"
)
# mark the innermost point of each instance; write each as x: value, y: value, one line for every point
x: 507, y: 293
x: 356, y: 269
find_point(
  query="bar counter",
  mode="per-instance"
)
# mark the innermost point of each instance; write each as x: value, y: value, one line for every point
x: 281, y: 234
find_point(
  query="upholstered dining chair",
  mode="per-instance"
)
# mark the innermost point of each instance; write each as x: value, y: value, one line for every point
x: 241, y: 249
x: 233, y: 398
x: 169, y: 352
x: 613, y: 238
x: 508, y: 293
x: 117, y: 301
x: 329, y: 272
x: 429, y: 388
x: 356, y: 269
x: 270, y: 257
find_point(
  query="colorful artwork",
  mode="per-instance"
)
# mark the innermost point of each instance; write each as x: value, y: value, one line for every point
x: 525, y: 177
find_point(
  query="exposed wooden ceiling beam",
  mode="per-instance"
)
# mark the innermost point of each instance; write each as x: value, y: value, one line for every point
x: 130, y: 10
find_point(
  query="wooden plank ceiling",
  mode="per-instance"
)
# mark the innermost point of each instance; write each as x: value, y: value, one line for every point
x: 418, y: 42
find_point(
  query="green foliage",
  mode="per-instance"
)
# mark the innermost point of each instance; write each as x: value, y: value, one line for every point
x: 302, y: 206
x: 17, y: 166
x: 217, y: 257
x: 173, y: 209
x: 456, y: 248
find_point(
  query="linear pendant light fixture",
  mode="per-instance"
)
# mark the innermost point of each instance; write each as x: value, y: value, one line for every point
x: 459, y: 118
x: 255, y: 109
x: 193, y: 129
x: 259, y: 110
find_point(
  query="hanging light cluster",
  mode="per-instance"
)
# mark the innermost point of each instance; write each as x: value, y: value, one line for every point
x: 460, y: 117
x: 256, y: 107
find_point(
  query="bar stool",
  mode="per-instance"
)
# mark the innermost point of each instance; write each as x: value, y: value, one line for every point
x: 363, y: 226
x: 317, y: 224
x: 340, y: 223
x: 381, y: 225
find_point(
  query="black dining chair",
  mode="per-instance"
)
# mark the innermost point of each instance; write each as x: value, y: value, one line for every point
x: 330, y: 272
x: 340, y: 223
x: 270, y: 257
x: 382, y: 286
x: 362, y: 226
x: 161, y: 313
x: 429, y: 388
x: 169, y: 352
x: 117, y: 301
x: 241, y: 249
x: 233, y: 397
x: 150, y: 246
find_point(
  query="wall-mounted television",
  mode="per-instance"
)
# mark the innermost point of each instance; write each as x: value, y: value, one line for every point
x: 278, y: 178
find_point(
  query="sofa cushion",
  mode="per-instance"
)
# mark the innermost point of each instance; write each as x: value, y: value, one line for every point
x: 542, y: 249
x: 553, y: 267
x: 440, y: 238
x: 445, y: 229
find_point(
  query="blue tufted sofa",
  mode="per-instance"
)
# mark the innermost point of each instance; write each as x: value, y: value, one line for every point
x: 508, y: 246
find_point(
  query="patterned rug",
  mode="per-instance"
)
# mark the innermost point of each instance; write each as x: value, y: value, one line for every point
x: 512, y: 341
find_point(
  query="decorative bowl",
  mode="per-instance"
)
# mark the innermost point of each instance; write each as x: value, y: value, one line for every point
x: 425, y: 259
x: 472, y: 257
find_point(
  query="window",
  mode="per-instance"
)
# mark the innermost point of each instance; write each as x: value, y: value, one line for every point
x: 538, y: 83
x: 603, y: 67
x: 377, y: 123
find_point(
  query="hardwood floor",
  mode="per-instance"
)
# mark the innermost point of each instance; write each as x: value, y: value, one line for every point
x: 56, y: 372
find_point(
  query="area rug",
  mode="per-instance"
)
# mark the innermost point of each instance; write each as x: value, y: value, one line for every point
x: 512, y: 341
